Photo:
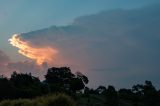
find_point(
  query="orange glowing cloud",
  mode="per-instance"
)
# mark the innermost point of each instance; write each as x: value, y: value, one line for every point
x: 40, y: 55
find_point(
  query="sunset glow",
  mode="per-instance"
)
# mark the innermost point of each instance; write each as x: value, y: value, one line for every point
x: 40, y: 55
x: 112, y: 42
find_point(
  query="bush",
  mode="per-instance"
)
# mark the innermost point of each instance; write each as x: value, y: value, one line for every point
x: 50, y: 100
x: 19, y: 102
x: 6, y: 103
x: 59, y: 100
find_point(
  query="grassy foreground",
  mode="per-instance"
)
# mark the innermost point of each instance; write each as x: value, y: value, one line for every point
x: 50, y: 100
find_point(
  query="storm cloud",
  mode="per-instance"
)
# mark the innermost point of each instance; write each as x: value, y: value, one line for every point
x: 4, y: 59
x: 7, y: 66
x: 125, y: 42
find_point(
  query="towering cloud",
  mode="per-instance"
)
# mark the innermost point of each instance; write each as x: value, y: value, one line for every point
x: 123, y: 41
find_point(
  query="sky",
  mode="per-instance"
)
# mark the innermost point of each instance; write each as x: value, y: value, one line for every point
x: 113, y: 42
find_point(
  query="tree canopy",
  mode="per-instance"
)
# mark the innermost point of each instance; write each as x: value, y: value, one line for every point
x: 63, y: 79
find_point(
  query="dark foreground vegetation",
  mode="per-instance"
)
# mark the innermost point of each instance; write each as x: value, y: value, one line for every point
x: 23, y: 89
x: 49, y: 100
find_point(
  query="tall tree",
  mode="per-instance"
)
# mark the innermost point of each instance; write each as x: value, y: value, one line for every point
x: 63, y: 79
x: 111, y: 96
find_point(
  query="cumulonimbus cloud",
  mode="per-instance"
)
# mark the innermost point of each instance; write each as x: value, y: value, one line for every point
x: 115, y: 39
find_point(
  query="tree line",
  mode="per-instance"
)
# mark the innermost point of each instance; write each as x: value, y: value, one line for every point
x: 25, y: 85
x: 139, y: 95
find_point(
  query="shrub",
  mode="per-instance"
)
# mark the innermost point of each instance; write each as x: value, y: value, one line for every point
x: 6, y: 103
x: 50, y: 100
x: 59, y: 100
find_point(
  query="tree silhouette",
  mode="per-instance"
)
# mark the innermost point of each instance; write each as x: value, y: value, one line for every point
x: 27, y: 86
x: 78, y: 82
x: 7, y: 90
x: 23, y: 85
x: 60, y: 79
x: 111, y: 96
x: 23, y: 80
x: 58, y: 75
x: 101, y: 89
x: 150, y: 94
x: 82, y: 77
x: 125, y: 94
x: 145, y: 94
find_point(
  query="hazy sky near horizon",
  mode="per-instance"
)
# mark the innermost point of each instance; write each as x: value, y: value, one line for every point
x: 119, y: 38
